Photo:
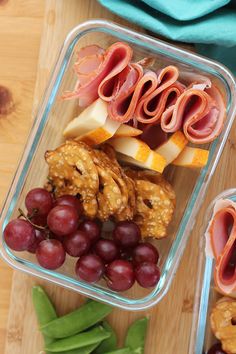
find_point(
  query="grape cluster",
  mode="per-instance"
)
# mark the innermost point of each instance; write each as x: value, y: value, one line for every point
x: 53, y: 228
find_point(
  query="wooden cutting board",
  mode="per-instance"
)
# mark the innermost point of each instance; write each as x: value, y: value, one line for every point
x: 170, y: 321
x: 20, y: 33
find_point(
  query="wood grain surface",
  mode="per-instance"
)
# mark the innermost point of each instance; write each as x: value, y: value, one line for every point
x: 20, y: 34
x: 22, y: 25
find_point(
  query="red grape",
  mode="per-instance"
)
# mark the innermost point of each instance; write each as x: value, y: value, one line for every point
x: 120, y: 275
x: 216, y: 349
x: 70, y: 200
x: 63, y: 220
x: 145, y: 252
x: 107, y: 250
x: 50, y: 254
x: 147, y: 274
x: 127, y: 234
x: 19, y: 234
x: 91, y: 228
x: 40, y: 236
x: 77, y: 244
x: 90, y: 268
x: 39, y: 199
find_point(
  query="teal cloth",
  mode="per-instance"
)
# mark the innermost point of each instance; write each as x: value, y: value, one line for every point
x: 210, y: 24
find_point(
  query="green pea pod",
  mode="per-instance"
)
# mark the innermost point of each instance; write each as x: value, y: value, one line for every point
x: 120, y: 351
x: 85, y: 350
x: 44, y: 309
x: 77, y: 321
x: 95, y: 335
x: 135, y: 338
x: 109, y: 343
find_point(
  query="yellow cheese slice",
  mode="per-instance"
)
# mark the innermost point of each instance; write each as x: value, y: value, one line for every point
x: 192, y: 157
x: 127, y: 130
x: 172, y: 147
x: 92, y: 117
x: 131, y: 147
x: 101, y: 134
x: 154, y: 161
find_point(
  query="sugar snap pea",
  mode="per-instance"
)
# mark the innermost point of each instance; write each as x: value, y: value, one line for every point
x: 44, y: 309
x: 95, y: 335
x: 77, y: 321
x: 120, y: 351
x: 109, y: 343
x: 135, y: 338
x: 85, y: 350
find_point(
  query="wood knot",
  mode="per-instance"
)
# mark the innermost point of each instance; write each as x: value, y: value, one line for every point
x: 232, y: 143
x: 187, y: 305
x: 6, y: 101
x: 3, y: 2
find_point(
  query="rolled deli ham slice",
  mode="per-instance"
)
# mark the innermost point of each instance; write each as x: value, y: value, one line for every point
x: 111, y: 84
x: 94, y: 68
x: 217, y: 97
x: 123, y: 106
x: 89, y: 50
x: 199, y: 113
x: 221, y: 243
x: 86, y: 67
x: 88, y: 61
x: 150, y: 107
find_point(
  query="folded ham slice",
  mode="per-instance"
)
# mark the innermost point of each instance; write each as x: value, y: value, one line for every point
x: 92, y: 49
x: 221, y: 244
x: 135, y: 86
x: 200, y: 113
x: 88, y: 62
x: 150, y: 107
x: 97, y: 66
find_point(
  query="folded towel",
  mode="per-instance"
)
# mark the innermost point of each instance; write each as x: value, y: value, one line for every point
x: 210, y: 24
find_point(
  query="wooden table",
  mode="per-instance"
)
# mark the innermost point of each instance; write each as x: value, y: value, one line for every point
x: 24, y: 24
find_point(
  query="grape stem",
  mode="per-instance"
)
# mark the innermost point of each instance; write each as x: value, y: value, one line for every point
x: 28, y: 218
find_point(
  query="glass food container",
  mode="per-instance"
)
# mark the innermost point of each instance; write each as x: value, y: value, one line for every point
x: 202, y: 338
x: 53, y: 114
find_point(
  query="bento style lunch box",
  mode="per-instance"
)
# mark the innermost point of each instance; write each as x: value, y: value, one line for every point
x: 122, y: 85
x: 213, y: 327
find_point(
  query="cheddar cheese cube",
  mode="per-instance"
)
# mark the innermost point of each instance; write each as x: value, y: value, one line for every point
x: 192, y: 157
x: 131, y: 147
x: 101, y: 134
x: 92, y: 117
x: 172, y: 147
x: 154, y: 161
x: 127, y: 130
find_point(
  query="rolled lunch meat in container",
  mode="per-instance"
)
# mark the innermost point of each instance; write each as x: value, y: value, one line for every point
x: 54, y: 114
x: 207, y: 294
